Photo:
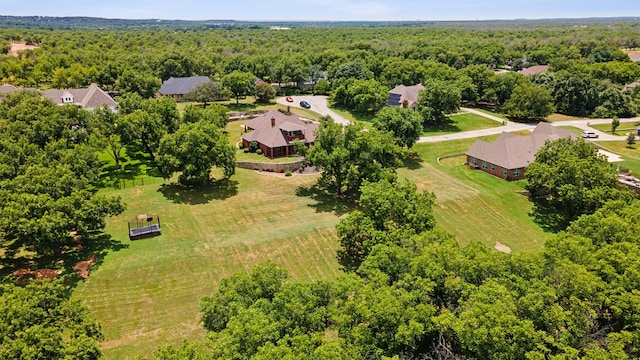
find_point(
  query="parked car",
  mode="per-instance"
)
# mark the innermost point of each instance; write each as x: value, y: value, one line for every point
x: 289, y: 99
x: 589, y: 134
x: 305, y: 104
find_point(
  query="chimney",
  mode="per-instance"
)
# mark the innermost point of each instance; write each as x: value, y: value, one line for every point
x: 273, y: 121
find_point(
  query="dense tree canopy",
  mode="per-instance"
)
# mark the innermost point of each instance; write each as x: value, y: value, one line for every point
x: 193, y: 150
x: 40, y: 322
x: 349, y: 156
x: 47, y: 164
x: 404, y: 124
x: 530, y: 102
x: 568, y: 179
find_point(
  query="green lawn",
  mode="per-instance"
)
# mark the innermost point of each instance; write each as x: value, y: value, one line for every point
x: 147, y: 294
x: 631, y: 156
x: 500, y: 115
x: 462, y: 122
x: 473, y: 205
x: 622, y: 130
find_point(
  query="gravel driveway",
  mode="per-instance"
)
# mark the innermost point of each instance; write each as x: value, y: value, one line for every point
x: 318, y: 105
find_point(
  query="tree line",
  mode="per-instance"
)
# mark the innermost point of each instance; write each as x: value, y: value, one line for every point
x: 357, y: 66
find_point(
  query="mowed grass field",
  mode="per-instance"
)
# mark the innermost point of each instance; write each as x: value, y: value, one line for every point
x: 473, y: 205
x: 148, y: 293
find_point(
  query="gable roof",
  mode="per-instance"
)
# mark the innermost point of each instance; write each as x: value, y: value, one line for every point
x: 181, y: 85
x: 536, y: 69
x: 87, y: 98
x: 272, y: 136
x: 512, y: 151
x: 400, y: 93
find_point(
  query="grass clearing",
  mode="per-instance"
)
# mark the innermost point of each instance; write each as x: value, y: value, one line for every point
x: 622, y: 130
x: 561, y: 117
x: 473, y: 205
x: 148, y: 294
x: 462, y: 122
x: 501, y: 116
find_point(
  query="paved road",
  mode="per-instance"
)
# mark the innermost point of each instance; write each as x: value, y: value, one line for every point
x: 511, y: 126
x: 318, y: 104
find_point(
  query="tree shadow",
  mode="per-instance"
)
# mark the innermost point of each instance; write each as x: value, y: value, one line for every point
x: 93, y: 246
x: 193, y: 195
x: 413, y: 161
x: 325, y: 202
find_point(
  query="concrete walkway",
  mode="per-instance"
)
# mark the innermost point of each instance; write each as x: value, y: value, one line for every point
x: 318, y: 105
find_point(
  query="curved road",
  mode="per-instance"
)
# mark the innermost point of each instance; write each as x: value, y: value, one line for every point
x: 319, y: 105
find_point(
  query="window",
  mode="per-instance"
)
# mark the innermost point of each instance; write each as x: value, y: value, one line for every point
x: 493, y: 167
x: 516, y: 172
x: 504, y: 172
x: 484, y: 164
x: 474, y: 160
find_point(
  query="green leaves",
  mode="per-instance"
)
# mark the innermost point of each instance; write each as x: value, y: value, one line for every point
x: 194, y: 149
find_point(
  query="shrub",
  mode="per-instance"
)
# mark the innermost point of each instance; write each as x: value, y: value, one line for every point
x: 287, y: 173
x: 246, y: 150
x: 240, y: 146
x: 259, y: 151
x: 631, y: 139
x: 253, y: 146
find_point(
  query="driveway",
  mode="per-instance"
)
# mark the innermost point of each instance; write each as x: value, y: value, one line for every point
x: 318, y: 105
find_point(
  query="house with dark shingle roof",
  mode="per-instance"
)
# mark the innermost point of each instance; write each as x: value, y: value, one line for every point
x: 509, y: 156
x: 275, y: 133
x: 405, y: 96
x: 86, y: 98
x: 179, y: 86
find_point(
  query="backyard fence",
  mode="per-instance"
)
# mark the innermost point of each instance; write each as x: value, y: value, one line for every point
x: 128, y: 183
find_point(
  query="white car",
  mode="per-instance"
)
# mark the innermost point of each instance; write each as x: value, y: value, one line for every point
x: 589, y: 135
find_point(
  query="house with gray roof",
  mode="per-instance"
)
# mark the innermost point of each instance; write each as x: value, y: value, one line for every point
x: 179, y: 86
x: 405, y: 96
x: 86, y: 98
x: 275, y: 133
x: 509, y: 156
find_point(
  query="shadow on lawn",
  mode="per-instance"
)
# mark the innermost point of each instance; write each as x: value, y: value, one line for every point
x: 413, y: 161
x: 93, y: 246
x: 216, y: 190
x: 326, y: 202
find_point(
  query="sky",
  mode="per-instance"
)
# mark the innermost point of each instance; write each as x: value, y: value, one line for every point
x: 331, y: 10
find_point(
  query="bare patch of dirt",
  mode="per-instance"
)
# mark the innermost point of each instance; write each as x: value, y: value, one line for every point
x: 17, y: 48
x: 24, y: 275
x: 502, y: 248
x: 83, y: 268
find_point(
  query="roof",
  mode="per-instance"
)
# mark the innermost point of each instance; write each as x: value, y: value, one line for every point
x: 631, y: 86
x: 512, y: 151
x: 272, y: 136
x: 87, y: 98
x: 536, y: 69
x: 7, y: 89
x: 634, y: 56
x: 181, y: 85
x: 400, y: 93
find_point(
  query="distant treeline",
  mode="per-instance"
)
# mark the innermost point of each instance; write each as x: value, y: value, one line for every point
x: 80, y: 22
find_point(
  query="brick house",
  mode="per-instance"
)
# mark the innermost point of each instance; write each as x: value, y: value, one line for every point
x: 275, y: 133
x: 509, y: 156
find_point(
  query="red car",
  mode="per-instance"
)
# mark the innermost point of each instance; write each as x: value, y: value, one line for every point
x: 289, y: 99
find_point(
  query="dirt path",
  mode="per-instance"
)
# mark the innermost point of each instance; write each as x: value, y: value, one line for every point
x: 16, y: 48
